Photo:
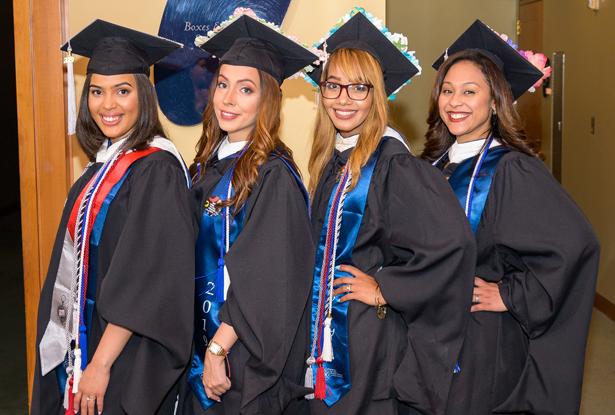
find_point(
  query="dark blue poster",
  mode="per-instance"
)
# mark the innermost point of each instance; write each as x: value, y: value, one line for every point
x: 183, y: 78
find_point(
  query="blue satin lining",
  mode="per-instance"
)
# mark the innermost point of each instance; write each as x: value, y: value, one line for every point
x: 337, y: 372
x: 461, y: 177
x: 209, y: 245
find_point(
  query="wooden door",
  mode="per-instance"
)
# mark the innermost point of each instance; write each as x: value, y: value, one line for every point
x: 529, y: 36
x: 43, y: 145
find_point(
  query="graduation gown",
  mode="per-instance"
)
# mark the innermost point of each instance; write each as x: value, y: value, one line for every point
x: 269, y: 266
x: 144, y: 284
x: 416, y: 243
x: 535, y: 242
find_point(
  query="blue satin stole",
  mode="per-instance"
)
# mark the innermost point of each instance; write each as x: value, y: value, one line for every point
x: 337, y: 372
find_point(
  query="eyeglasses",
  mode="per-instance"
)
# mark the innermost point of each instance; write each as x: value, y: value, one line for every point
x: 356, y: 92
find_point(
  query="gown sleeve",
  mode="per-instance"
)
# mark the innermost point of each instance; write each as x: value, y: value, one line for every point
x: 270, y: 266
x: 431, y: 282
x: 149, y: 285
x: 548, y: 255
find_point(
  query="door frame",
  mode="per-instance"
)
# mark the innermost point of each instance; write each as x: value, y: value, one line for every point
x: 44, y: 147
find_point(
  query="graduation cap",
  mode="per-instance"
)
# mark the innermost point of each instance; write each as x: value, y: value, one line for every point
x: 518, y: 71
x: 360, y: 33
x: 112, y: 50
x: 248, y: 42
x: 115, y: 49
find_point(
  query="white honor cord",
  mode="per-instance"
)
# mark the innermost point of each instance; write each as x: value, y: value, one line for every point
x: 227, y: 235
x: 477, y: 167
x: 77, y: 282
x: 338, y: 226
x: 329, y: 300
x: 227, y: 238
x: 470, y: 187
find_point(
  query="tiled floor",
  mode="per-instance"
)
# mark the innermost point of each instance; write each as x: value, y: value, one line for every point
x: 599, y: 381
x: 598, y: 389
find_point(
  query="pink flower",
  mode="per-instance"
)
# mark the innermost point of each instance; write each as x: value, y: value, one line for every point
x: 239, y: 11
x: 539, y: 60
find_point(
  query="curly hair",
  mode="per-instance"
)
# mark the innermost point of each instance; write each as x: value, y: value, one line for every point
x: 506, y: 124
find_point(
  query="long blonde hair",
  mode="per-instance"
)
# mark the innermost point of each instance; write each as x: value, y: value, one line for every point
x: 264, y: 139
x: 359, y: 67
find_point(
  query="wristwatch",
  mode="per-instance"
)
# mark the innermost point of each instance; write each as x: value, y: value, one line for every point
x: 215, y: 349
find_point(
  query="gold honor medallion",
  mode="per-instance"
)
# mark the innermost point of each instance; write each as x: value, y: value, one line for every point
x: 381, y: 311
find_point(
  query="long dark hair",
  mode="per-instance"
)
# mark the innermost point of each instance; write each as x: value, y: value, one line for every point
x: 148, y: 124
x: 506, y: 124
x: 264, y: 138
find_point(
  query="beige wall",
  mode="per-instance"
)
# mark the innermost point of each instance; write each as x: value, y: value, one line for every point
x: 309, y: 20
x: 431, y: 26
x: 587, y: 38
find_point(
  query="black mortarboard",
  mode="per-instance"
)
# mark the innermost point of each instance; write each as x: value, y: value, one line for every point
x: 518, y: 71
x: 360, y: 33
x: 115, y: 49
x: 248, y: 42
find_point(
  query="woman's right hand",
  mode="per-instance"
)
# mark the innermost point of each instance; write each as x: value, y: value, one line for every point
x: 214, y: 376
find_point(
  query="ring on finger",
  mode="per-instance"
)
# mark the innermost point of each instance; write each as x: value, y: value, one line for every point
x: 476, y: 299
x: 348, y: 288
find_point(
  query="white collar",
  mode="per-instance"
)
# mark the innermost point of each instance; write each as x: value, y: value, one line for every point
x: 108, y: 148
x: 227, y: 147
x: 344, y: 143
x: 462, y: 151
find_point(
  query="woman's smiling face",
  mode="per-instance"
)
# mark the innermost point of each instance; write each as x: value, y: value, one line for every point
x: 114, y: 103
x: 236, y: 100
x: 347, y: 115
x: 465, y: 103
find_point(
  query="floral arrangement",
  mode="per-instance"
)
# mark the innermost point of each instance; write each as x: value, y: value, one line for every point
x: 539, y: 60
x: 397, y: 39
x: 246, y: 11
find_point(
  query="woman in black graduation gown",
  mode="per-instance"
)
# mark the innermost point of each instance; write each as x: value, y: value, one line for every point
x: 537, y: 254
x: 385, y: 339
x: 114, y: 330
x: 254, y: 248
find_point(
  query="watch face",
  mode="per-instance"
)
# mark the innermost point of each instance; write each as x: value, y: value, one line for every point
x: 216, y: 349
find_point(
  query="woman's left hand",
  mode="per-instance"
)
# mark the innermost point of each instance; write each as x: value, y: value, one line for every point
x: 362, y: 287
x: 486, y: 297
x: 92, y: 388
x: 215, y: 381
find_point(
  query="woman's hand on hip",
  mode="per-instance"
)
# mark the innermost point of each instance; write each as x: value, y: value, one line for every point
x: 362, y: 287
x: 486, y: 297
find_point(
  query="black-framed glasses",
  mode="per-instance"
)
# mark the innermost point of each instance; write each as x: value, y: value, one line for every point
x: 356, y: 92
